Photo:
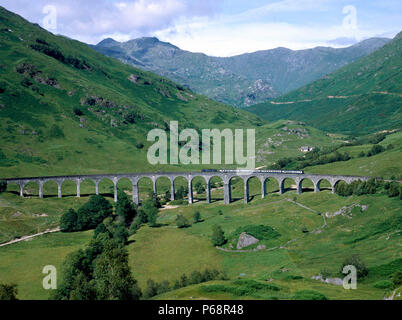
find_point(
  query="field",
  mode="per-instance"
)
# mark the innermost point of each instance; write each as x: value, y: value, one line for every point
x: 166, y: 252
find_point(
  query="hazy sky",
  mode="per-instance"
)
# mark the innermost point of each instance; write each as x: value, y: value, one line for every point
x: 220, y: 27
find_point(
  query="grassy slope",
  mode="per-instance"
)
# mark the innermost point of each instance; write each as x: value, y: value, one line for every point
x: 167, y: 252
x: 105, y: 143
x: 369, y: 91
x: 385, y: 164
x: 23, y: 262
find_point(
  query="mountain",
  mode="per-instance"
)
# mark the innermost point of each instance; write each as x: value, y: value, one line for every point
x: 362, y: 97
x: 65, y: 108
x: 240, y: 80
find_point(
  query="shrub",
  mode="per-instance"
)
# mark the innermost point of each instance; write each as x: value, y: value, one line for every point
x: 68, y: 221
x: 218, y: 236
x: 383, y: 284
x: 181, y: 221
x: 140, y: 145
x: 397, y: 278
x: 197, y: 217
x: 3, y: 186
x: 393, y: 190
x: 357, y: 262
x: 308, y: 295
x: 8, y: 291
x: 93, y: 212
x: 78, y: 112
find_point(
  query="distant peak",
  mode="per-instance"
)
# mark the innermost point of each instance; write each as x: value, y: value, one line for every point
x: 108, y: 42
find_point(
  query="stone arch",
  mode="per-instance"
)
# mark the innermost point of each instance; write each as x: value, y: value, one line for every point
x: 14, y: 187
x: 68, y: 187
x: 200, y: 187
x: 50, y: 188
x: 287, y: 184
x: 305, y: 185
x: 252, y: 188
x: 336, y: 181
x: 164, y: 187
x: 124, y: 184
x: 31, y: 188
x: 87, y: 187
x: 270, y: 185
x: 236, y: 188
x: 145, y: 187
x: 105, y: 186
x: 216, y: 187
x: 324, y: 184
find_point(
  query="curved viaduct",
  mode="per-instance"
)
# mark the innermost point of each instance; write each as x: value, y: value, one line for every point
x: 154, y: 176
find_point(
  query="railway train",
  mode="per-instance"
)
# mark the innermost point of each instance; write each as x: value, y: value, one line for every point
x: 257, y: 171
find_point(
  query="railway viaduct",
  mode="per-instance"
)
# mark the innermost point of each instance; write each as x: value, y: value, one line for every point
x: 189, y: 176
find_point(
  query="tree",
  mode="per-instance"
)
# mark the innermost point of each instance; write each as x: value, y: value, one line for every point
x: 195, y: 277
x: 218, y: 236
x: 183, y: 280
x: 151, y: 211
x: 357, y: 262
x: 197, y: 217
x: 68, y: 221
x: 393, y: 190
x: 125, y: 208
x: 199, y: 188
x: 93, y: 212
x: 8, y: 291
x: 3, y: 186
x: 151, y: 289
x: 181, y: 221
x: 112, y: 276
x: 82, y: 289
x: 397, y: 278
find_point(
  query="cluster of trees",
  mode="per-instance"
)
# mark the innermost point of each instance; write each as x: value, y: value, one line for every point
x: 154, y: 288
x: 51, y: 51
x: 98, y: 272
x: 312, y: 158
x: 375, y: 149
x: 182, y: 222
x: 88, y: 216
x: 372, y: 186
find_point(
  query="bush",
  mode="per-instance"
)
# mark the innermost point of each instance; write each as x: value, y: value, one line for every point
x: 181, y: 221
x: 78, y: 112
x: 357, y: 262
x: 8, y: 291
x: 197, y: 217
x: 383, y: 284
x: 397, y: 278
x: 93, y: 212
x: 393, y: 190
x: 140, y: 145
x: 68, y: 221
x: 3, y: 186
x: 308, y: 295
x: 56, y: 132
x: 218, y: 236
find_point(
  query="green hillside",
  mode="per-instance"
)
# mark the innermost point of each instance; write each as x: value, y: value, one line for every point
x: 240, y: 80
x: 165, y: 253
x: 64, y: 108
x: 362, y: 97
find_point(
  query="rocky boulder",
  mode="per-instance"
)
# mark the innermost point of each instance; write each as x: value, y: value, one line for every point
x: 245, y: 240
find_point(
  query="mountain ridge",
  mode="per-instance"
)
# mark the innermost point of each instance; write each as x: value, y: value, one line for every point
x: 240, y: 80
x: 362, y: 97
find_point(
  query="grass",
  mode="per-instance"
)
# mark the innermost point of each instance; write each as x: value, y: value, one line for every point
x: 23, y: 262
